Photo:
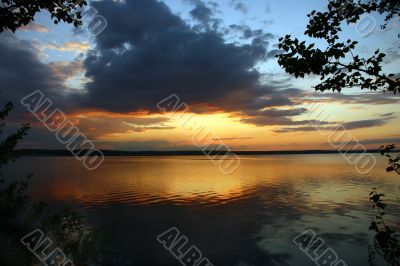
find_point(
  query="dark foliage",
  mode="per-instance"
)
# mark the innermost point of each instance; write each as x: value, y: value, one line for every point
x: 17, y: 13
x: 394, y: 160
x: 336, y: 63
x: 386, y: 239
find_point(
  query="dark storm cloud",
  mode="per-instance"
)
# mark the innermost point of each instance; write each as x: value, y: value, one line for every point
x: 148, y: 53
x: 21, y: 72
x: 202, y: 13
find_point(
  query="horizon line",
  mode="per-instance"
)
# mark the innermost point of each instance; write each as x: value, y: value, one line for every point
x: 64, y: 152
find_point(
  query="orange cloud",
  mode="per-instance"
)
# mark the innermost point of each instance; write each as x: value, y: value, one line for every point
x: 35, y: 27
x: 67, y: 47
x: 101, y: 124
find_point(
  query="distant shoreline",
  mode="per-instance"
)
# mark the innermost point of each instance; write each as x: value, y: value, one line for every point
x: 40, y: 152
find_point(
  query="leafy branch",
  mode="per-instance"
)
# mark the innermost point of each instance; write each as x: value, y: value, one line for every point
x: 386, y: 239
x: 17, y: 13
x: 337, y: 64
x: 393, y: 160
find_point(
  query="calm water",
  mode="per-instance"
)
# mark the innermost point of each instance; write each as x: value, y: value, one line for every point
x: 247, y: 218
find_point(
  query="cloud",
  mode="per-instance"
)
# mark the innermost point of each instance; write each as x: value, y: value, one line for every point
x: 66, y: 47
x: 205, y: 15
x: 387, y: 114
x: 367, y: 123
x: 136, y: 128
x: 234, y: 138
x: 273, y: 112
x: 269, y: 121
x: 105, y: 129
x: 241, y: 7
x: 202, y: 13
x: 267, y: 8
x: 364, y: 123
x: 294, y: 129
x: 365, y: 98
x: 392, y: 53
x: 35, y: 27
x: 274, y: 116
x: 256, y: 35
x: 21, y: 71
x: 100, y: 124
x: 138, y: 62
x: 66, y: 70
x: 273, y: 53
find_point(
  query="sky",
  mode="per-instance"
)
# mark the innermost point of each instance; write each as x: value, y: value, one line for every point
x: 218, y: 57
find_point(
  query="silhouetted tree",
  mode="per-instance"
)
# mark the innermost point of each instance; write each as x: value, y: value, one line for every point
x: 19, y: 215
x: 13, y: 197
x: 17, y: 13
x: 337, y: 62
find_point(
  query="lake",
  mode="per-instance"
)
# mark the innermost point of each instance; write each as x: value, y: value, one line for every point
x: 247, y: 218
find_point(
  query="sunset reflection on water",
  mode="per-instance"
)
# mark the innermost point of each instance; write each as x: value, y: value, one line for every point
x: 248, y: 217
